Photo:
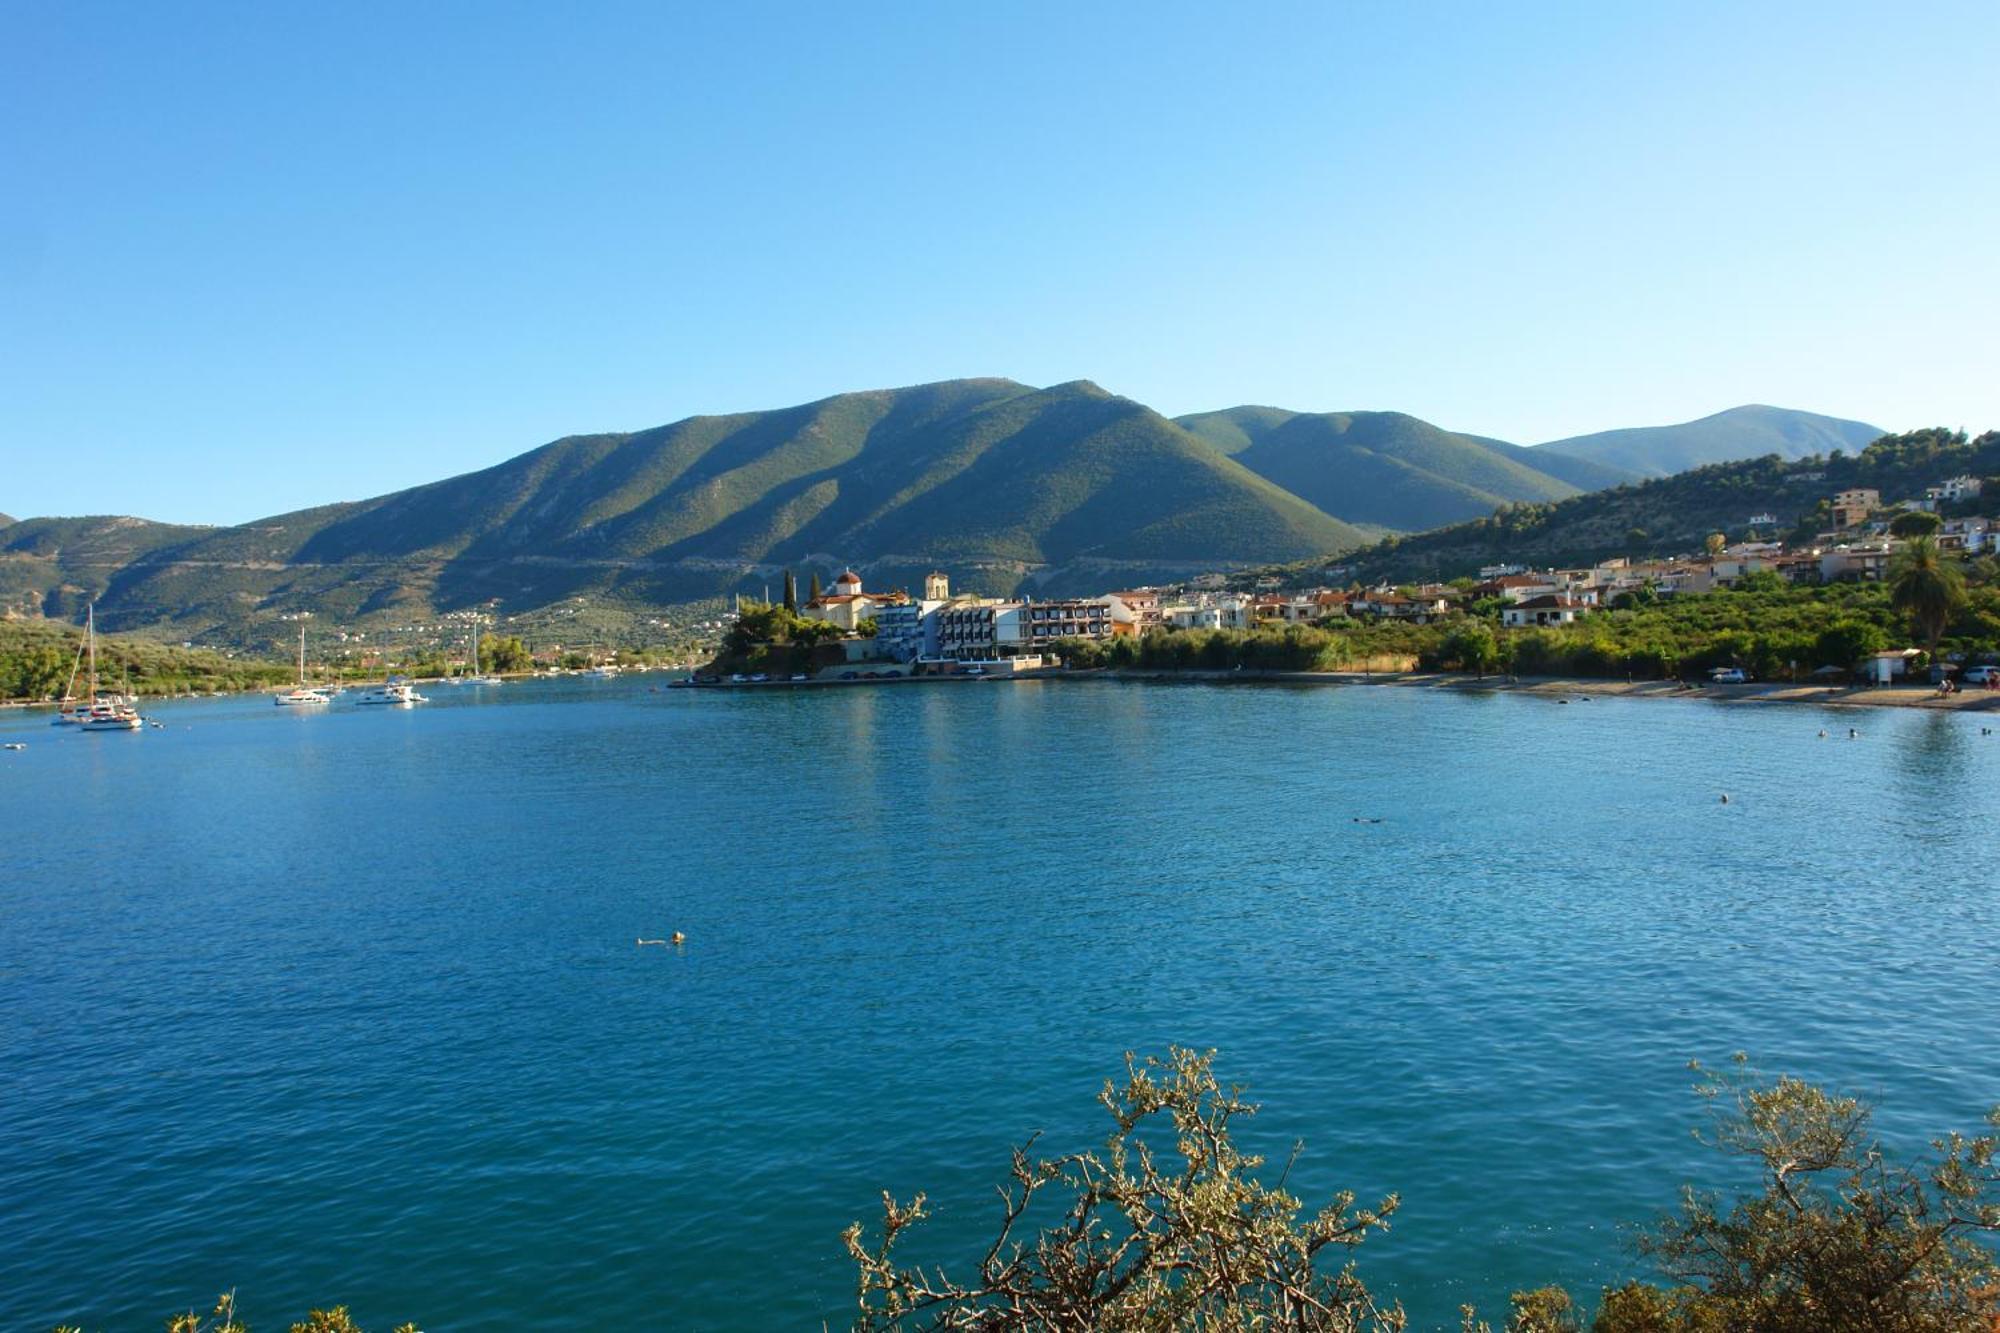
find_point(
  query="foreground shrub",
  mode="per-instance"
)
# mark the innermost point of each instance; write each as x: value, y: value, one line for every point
x: 1837, y: 1239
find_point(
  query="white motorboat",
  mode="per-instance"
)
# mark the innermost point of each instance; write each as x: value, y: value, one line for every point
x: 391, y: 693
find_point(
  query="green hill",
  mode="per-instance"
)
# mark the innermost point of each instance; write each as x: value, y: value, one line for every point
x: 1387, y: 468
x: 53, y: 566
x: 1726, y: 437
x: 1000, y: 484
x: 1004, y: 486
x: 1674, y: 515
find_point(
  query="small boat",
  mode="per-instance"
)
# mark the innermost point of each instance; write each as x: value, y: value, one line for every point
x: 14, y: 745
x: 391, y: 693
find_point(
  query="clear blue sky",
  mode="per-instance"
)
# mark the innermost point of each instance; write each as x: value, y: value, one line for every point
x: 261, y: 256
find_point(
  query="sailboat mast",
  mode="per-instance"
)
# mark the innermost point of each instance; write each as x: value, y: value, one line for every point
x: 90, y: 629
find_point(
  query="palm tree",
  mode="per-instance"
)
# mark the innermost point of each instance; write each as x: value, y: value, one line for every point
x: 1929, y: 587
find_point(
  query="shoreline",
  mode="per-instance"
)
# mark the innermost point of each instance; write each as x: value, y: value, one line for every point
x: 1758, y: 692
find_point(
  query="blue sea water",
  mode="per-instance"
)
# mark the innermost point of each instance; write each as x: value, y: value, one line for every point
x: 347, y: 1006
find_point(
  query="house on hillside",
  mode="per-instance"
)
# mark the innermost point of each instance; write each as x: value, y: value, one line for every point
x: 1851, y: 508
x: 1861, y: 562
x: 1952, y: 490
x: 1551, y: 609
x: 1973, y: 536
x: 1419, y: 609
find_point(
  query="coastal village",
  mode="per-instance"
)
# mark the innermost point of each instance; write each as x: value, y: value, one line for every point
x: 890, y: 633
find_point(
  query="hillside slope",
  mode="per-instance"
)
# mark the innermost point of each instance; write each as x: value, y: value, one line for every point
x: 999, y: 483
x: 1388, y: 468
x: 1726, y: 437
x: 54, y: 566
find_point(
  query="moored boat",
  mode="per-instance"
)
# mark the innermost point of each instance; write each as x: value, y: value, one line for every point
x: 391, y: 693
x: 302, y: 695
x: 104, y: 712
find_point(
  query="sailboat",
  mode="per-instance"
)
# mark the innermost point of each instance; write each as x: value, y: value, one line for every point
x: 300, y: 695
x: 111, y: 714
x: 478, y: 677
x: 70, y: 711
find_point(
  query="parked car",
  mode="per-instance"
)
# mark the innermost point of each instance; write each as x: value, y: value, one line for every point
x: 850, y: 675
x: 1729, y: 676
x: 1980, y: 675
x: 798, y: 675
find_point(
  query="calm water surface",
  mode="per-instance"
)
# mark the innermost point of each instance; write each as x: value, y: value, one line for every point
x: 347, y: 1006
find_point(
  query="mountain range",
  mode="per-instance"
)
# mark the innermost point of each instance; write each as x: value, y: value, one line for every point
x: 1005, y: 486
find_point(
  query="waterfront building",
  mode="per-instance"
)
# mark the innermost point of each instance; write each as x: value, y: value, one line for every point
x: 907, y: 630
x: 1033, y: 626
x: 1141, y: 606
x: 969, y: 630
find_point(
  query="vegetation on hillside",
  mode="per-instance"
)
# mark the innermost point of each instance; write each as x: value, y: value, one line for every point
x: 55, y: 566
x: 771, y: 638
x: 1675, y: 515
x: 37, y: 658
x: 984, y: 477
x: 1389, y: 469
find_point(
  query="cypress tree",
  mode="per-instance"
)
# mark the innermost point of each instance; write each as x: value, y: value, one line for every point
x: 791, y: 591
x: 814, y: 595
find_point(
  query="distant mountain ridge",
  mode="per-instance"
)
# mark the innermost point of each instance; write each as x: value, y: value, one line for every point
x: 1005, y: 486
x: 1751, y: 431
x: 1391, y: 469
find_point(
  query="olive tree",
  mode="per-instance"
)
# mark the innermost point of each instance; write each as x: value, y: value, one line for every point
x: 1837, y: 1238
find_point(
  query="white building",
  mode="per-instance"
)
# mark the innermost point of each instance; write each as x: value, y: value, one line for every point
x: 1953, y: 489
x: 1554, y: 609
x: 846, y: 606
